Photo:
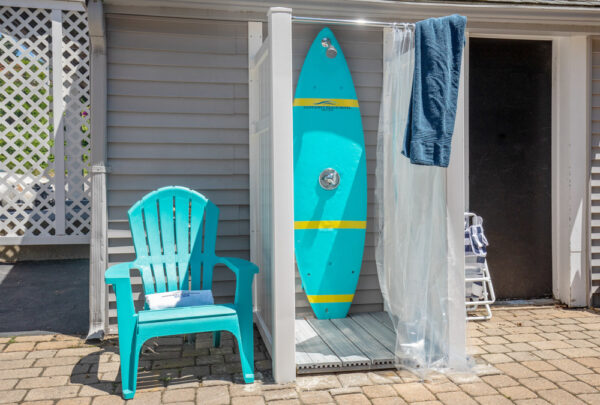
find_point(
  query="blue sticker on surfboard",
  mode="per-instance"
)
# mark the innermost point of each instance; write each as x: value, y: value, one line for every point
x: 330, y: 179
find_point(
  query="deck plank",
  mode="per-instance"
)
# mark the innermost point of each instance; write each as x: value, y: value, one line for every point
x: 349, y: 354
x: 309, y: 342
x: 385, y: 319
x: 382, y: 334
x: 374, y: 350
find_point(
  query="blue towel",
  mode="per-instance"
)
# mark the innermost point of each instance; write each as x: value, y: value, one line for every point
x: 439, y: 44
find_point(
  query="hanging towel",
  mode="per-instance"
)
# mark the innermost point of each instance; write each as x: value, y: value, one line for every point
x: 439, y: 44
x: 179, y: 298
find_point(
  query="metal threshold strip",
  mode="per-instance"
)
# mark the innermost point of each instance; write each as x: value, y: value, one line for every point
x: 336, y: 21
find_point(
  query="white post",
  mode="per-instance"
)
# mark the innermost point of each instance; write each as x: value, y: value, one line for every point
x: 455, y: 194
x: 58, y: 109
x: 573, y: 159
x: 98, y: 245
x: 280, y: 32
x: 254, y: 43
x: 465, y: 117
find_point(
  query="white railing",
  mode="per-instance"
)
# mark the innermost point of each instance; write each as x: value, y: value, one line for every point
x: 271, y: 187
x: 44, y: 125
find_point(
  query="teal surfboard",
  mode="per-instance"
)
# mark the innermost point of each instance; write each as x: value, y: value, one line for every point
x: 330, y: 179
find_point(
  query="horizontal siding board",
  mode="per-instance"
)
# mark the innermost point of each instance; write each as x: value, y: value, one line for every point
x: 172, y: 151
x: 175, y: 26
x: 176, y: 42
x: 177, y: 166
x: 196, y: 105
x: 156, y: 120
x: 142, y: 88
x: 197, y: 182
x: 179, y: 135
x: 171, y: 58
x: 176, y: 74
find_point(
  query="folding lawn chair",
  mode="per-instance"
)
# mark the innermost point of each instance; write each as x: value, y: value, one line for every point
x: 479, y: 290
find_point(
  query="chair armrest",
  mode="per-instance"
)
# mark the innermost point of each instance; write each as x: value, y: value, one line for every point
x: 244, y: 272
x: 118, y: 276
x: 238, y: 266
x: 118, y: 273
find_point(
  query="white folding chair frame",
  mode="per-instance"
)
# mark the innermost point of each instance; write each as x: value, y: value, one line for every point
x: 482, y: 275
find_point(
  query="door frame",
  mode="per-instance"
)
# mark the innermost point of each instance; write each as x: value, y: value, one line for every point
x: 571, y: 112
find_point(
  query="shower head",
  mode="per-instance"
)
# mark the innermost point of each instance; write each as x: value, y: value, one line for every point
x: 331, y: 52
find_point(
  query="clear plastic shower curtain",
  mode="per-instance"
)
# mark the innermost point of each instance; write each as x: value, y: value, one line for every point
x: 412, y: 251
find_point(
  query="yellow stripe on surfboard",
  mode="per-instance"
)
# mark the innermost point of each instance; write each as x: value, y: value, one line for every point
x: 330, y: 225
x: 325, y: 102
x: 328, y: 299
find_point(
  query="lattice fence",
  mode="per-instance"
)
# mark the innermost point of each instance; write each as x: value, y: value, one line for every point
x: 44, y: 126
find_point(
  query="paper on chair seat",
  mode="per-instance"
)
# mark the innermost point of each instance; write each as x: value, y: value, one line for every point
x: 179, y: 298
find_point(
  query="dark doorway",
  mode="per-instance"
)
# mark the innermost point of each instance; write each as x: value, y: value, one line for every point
x: 510, y: 132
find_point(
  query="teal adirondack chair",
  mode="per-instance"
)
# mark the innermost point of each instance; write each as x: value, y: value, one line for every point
x: 172, y: 253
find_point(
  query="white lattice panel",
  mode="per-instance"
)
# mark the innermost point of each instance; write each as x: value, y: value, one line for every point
x: 29, y: 155
x: 76, y: 94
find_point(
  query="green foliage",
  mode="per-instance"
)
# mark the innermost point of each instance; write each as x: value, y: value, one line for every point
x: 30, y: 136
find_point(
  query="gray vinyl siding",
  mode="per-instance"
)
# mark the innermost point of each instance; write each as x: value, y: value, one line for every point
x: 363, y: 49
x: 178, y: 115
x: 595, y: 175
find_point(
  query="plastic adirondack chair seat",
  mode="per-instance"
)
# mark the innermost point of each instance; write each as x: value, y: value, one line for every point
x: 173, y: 253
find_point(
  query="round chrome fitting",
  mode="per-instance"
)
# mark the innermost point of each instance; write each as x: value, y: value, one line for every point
x: 329, y: 179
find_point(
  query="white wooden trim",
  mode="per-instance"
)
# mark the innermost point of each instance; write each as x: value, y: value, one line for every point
x: 283, y: 284
x: 46, y: 4
x: 556, y: 176
x: 455, y: 195
x: 573, y: 159
x: 58, y: 110
x: 98, y: 300
x: 465, y: 76
x: 264, y: 332
x: 254, y: 44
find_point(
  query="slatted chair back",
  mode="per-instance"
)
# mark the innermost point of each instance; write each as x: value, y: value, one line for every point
x: 174, y: 230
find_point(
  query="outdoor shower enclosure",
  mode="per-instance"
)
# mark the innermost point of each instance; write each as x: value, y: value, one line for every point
x: 271, y: 80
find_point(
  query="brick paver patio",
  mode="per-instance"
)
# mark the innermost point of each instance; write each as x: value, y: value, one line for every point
x: 538, y: 355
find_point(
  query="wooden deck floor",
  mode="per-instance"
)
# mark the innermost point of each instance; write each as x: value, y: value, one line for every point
x: 357, y: 342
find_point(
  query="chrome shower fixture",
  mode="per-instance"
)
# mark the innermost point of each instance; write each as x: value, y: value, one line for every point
x: 331, y: 51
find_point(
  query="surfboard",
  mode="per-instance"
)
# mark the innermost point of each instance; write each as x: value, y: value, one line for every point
x: 330, y: 179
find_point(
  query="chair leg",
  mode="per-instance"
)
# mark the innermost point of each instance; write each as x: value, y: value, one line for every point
x: 246, y: 346
x: 130, y: 355
x: 217, y: 338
